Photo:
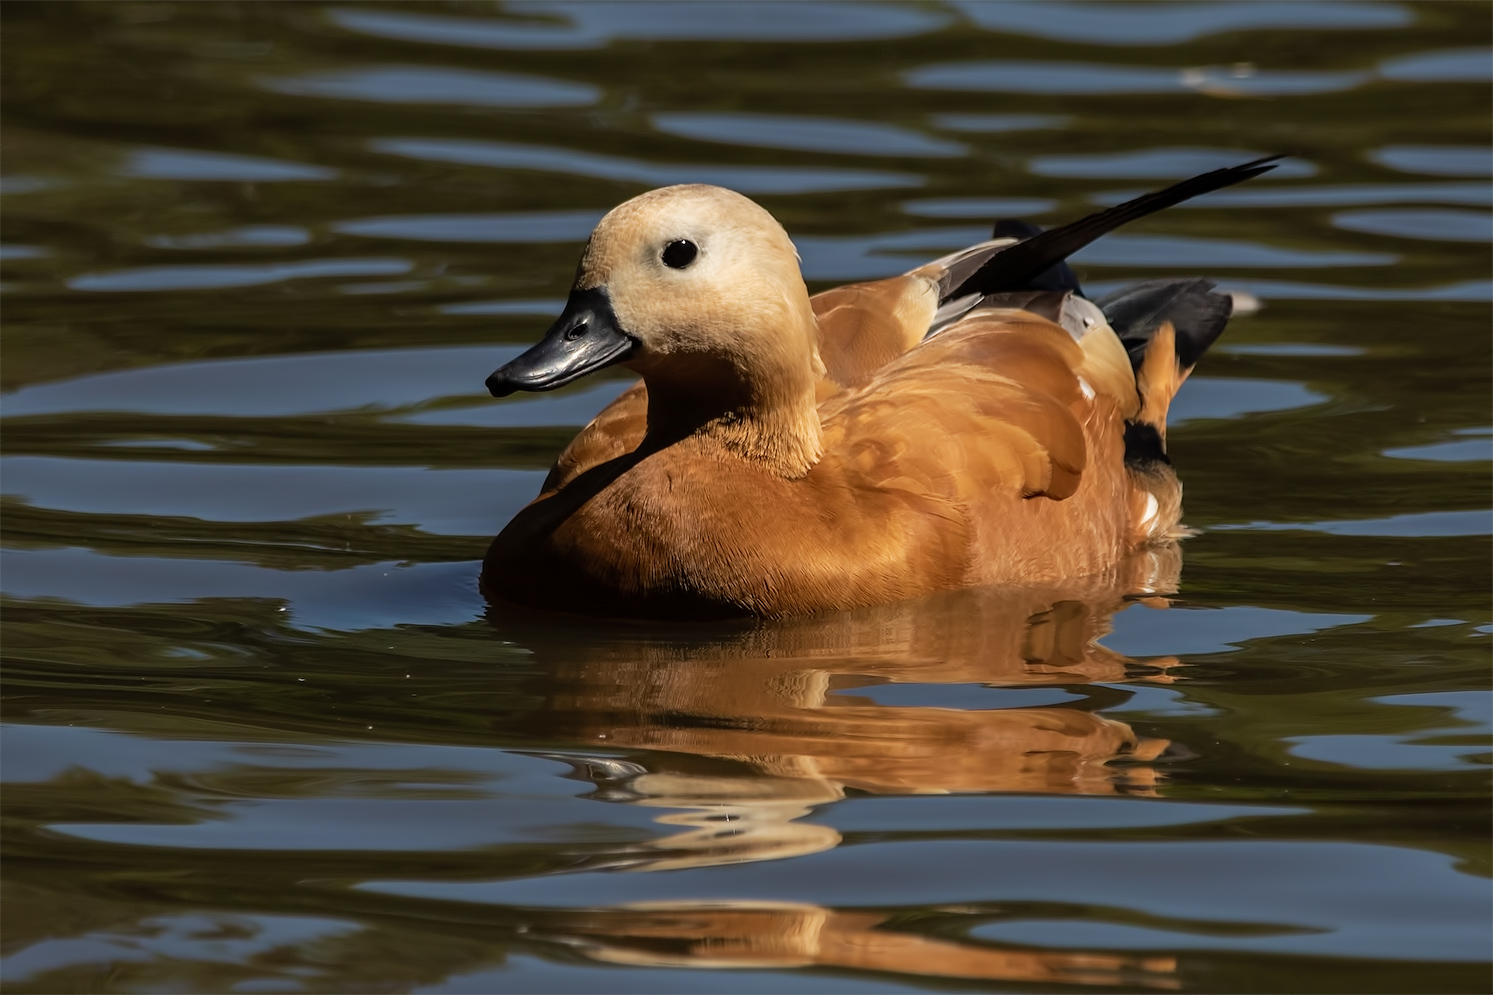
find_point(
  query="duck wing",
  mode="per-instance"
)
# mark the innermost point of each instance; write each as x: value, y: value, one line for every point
x: 864, y: 326
x: 616, y: 431
x: 987, y: 407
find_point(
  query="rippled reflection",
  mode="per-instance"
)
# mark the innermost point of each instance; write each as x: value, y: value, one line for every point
x: 786, y: 934
x: 262, y: 732
x: 792, y: 706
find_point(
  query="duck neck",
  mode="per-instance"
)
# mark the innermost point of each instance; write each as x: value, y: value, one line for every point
x: 768, y: 417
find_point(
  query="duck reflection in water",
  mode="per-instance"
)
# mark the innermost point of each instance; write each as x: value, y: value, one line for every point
x: 742, y: 731
x: 748, y: 728
x: 786, y: 935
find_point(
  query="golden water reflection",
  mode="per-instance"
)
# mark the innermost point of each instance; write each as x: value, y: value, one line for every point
x: 768, y: 705
x: 787, y: 935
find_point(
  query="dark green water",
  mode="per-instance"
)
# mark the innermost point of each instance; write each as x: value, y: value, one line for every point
x: 263, y: 735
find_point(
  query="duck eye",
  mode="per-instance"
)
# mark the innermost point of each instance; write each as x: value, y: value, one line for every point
x: 680, y: 253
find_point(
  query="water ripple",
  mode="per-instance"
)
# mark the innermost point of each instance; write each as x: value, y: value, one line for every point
x: 1477, y: 194
x: 274, y: 386
x: 538, y: 226
x: 249, y: 236
x: 1145, y: 24
x: 807, y: 134
x: 995, y: 123
x: 747, y: 179
x: 367, y: 596
x: 1165, y: 163
x: 977, y: 207
x: 150, y: 278
x: 1457, y: 65
x: 1011, y: 76
x: 592, y: 25
x: 189, y: 164
x: 432, y: 85
x: 442, y: 502
x: 1443, y: 225
x: 860, y: 257
x: 1436, y: 160
x: 1426, y: 523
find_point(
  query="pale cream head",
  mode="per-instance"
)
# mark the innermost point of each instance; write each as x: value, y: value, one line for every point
x: 729, y: 335
x: 742, y: 292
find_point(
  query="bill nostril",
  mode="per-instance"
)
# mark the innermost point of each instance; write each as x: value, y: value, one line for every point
x: 576, y: 331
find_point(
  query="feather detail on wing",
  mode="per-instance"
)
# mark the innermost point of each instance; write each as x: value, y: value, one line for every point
x: 864, y: 326
x: 988, y: 406
x: 616, y: 431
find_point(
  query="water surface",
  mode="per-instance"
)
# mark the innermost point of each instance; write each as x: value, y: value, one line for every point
x: 263, y: 734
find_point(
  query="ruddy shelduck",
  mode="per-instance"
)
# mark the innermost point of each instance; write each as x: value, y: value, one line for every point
x: 975, y: 421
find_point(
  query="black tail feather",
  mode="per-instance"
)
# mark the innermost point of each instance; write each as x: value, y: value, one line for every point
x: 1059, y: 277
x: 1014, y: 267
x: 1197, y: 314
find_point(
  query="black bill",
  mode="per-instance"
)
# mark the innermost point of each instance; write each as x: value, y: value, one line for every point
x: 583, y: 339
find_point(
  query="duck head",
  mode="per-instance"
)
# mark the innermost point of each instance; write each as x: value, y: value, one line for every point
x: 697, y: 289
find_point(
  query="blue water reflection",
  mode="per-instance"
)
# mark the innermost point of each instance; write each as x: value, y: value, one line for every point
x: 188, y: 164
x: 1185, y: 631
x: 989, y: 124
x: 977, y: 207
x: 156, y: 278
x: 1423, y: 523
x: 1343, y: 900
x: 1444, y: 225
x: 1457, y: 451
x: 1160, y: 164
x: 369, y: 596
x: 537, y: 226
x: 249, y: 236
x: 884, y: 815
x: 469, y: 502
x: 747, y: 179
x: 1470, y: 724
x: 578, y: 24
x: 1457, y: 65
x: 865, y: 257
x: 1470, y: 290
x: 809, y: 134
x: 1477, y: 194
x: 260, y: 386
x: 1091, y: 78
x: 429, y: 85
x: 1436, y: 160
x: 1147, y: 24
